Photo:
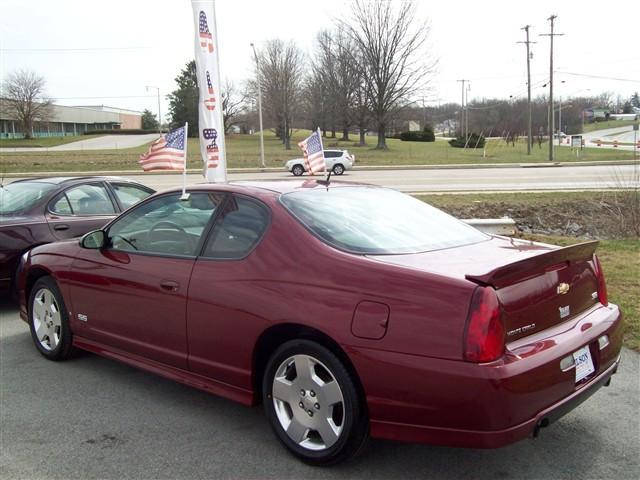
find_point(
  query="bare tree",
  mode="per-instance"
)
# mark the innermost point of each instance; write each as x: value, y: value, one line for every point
x: 341, y: 74
x: 24, y: 94
x: 281, y: 79
x: 233, y: 104
x: 394, y: 64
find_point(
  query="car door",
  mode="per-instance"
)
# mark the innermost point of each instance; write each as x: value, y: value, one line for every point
x: 131, y: 295
x: 80, y: 209
x: 226, y: 293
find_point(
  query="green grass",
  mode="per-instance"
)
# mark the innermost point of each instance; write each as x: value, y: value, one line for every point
x: 532, y: 199
x: 44, y: 142
x: 592, y: 127
x: 621, y: 264
x: 244, y: 151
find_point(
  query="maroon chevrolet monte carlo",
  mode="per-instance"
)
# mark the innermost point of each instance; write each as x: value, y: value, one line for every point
x: 347, y: 310
x: 43, y: 210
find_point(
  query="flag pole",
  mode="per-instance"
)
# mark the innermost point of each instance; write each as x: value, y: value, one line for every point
x: 185, y: 195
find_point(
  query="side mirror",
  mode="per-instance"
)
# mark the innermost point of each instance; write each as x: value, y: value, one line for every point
x: 94, y: 240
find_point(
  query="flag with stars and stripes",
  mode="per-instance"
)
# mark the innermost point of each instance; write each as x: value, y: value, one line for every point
x: 168, y: 152
x: 313, y: 153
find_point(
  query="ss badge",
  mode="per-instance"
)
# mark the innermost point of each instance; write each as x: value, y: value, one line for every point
x: 564, y: 311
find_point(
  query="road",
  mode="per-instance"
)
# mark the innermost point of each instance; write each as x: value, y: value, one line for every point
x: 92, y: 418
x: 621, y: 134
x: 452, y: 180
x: 106, y: 142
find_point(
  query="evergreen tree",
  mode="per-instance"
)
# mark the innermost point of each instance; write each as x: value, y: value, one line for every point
x: 183, y: 102
x: 149, y: 121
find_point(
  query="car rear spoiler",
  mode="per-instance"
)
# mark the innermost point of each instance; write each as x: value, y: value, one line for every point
x: 533, y: 266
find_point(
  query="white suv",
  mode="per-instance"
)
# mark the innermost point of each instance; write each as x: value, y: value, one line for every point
x: 335, y: 160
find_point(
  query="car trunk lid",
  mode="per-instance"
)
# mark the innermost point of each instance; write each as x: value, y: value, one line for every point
x: 537, y: 285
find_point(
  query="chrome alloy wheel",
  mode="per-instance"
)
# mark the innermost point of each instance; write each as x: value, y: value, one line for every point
x: 308, y: 402
x: 46, y: 319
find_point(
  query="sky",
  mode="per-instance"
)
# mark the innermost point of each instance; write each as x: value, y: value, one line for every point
x: 105, y: 53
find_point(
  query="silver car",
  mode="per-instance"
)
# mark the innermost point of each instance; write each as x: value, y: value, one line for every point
x: 336, y: 161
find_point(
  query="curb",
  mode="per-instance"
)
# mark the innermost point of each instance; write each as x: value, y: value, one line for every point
x: 457, y: 166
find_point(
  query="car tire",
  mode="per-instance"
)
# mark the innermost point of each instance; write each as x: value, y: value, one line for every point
x: 49, y: 321
x: 338, y: 169
x: 297, y: 170
x: 320, y: 416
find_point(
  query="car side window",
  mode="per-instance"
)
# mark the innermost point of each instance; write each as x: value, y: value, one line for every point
x: 61, y: 205
x: 129, y: 195
x: 238, y: 229
x: 84, y: 200
x: 165, y: 225
x: 330, y: 154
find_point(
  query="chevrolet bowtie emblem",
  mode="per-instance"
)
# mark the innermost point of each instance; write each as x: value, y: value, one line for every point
x: 563, y: 288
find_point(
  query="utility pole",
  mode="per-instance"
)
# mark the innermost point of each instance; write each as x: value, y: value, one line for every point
x: 551, y: 112
x: 255, y: 55
x: 462, y: 132
x: 466, y: 111
x: 529, y: 135
x: 147, y: 87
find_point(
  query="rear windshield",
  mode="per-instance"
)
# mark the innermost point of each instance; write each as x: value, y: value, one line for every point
x: 19, y: 196
x: 373, y: 220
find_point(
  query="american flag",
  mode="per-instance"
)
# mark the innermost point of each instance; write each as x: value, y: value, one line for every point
x: 166, y: 153
x: 313, y: 153
x: 206, y: 40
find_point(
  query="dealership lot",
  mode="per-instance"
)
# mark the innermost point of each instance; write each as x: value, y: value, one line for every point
x: 96, y: 418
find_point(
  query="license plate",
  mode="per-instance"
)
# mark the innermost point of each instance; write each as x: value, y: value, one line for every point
x: 584, y: 363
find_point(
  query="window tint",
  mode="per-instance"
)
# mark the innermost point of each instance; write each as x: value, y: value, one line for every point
x: 88, y: 200
x: 19, y: 196
x: 61, y: 206
x: 165, y: 225
x: 377, y: 220
x: 331, y: 154
x: 129, y: 195
x: 237, y: 230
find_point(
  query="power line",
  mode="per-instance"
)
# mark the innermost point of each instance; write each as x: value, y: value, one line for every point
x: 599, y: 76
x: 87, y: 49
x: 105, y: 97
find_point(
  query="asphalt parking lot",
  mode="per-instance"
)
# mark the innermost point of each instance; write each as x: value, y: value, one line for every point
x: 95, y: 418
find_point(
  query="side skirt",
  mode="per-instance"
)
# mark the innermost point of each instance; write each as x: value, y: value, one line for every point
x: 240, y: 395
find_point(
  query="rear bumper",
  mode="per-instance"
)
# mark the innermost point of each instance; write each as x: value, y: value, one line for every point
x: 491, y: 439
x: 455, y: 403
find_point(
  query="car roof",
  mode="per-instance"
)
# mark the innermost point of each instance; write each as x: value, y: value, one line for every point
x: 72, y: 180
x: 269, y: 186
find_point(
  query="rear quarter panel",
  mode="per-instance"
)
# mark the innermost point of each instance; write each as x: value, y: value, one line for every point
x: 294, y: 278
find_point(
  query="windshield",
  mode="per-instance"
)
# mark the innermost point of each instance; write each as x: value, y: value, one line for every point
x: 374, y: 220
x: 19, y: 196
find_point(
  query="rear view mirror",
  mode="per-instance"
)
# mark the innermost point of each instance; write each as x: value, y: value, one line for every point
x: 93, y: 240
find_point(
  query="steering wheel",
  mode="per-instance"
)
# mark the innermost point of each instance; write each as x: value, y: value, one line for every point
x: 174, y: 238
x: 165, y: 224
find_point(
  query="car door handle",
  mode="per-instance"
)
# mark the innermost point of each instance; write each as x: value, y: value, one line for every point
x: 170, y: 286
x: 61, y: 226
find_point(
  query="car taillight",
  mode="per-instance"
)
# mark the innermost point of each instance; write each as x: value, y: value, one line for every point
x: 602, y: 287
x: 484, y: 338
